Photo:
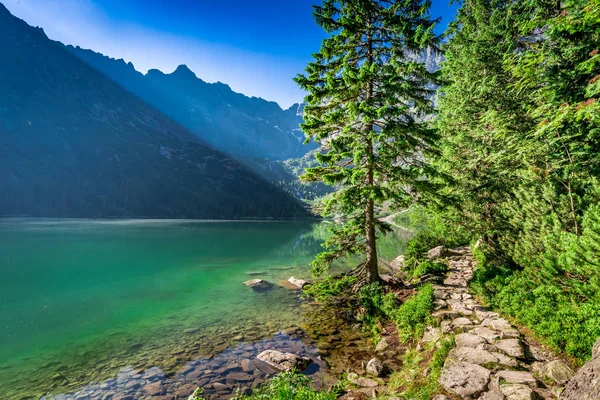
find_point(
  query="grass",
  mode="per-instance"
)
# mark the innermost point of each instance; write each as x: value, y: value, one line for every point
x: 285, y: 386
x: 411, y: 317
x: 377, y: 306
x: 288, y: 386
x: 429, y: 267
x: 418, y: 378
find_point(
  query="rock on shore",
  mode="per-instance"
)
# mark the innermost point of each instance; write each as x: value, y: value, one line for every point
x: 299, y: 283
x: 284, y: 361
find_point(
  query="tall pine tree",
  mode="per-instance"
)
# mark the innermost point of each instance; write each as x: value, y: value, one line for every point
x: 368, y: 97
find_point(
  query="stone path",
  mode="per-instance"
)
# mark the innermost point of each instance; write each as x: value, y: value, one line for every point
x: 492, y: 359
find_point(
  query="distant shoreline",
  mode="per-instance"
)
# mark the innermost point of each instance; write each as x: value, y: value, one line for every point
x: 151, y: 220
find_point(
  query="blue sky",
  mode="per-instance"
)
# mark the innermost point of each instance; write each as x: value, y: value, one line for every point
x: 255, y: 46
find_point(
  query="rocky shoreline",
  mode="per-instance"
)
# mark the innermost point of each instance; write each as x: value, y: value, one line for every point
x: 329, y: 342
x: 220, y: 376
x: 492, y: 359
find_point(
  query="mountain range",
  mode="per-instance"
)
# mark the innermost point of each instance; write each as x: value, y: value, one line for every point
x: 76, y: 142
x: 243, y: 126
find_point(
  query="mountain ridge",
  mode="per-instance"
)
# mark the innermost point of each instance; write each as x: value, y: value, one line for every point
x: 229, y: 121
x: 74, y: 143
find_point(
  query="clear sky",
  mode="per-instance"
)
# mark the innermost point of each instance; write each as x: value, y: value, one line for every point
x: 255, y: 46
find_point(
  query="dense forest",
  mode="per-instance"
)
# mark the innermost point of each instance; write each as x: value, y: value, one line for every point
x: 519, y: 160
x: 508, y: 161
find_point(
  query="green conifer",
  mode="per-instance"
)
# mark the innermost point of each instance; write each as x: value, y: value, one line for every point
x: 368, y: 97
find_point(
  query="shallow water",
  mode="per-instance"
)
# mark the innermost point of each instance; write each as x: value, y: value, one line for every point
x: 82, y: 299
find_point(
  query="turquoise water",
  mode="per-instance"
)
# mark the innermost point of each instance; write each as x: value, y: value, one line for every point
x: 81, y: 298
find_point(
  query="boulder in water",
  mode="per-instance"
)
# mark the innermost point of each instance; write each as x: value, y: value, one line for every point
x: 258, y: 284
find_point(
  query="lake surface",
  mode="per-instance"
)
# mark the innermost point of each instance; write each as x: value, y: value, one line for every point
x: 82, y: 299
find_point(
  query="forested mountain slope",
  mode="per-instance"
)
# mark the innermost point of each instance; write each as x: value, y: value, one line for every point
x: 75, y: 144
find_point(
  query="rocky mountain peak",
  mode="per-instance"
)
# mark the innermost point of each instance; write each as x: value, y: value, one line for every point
x: 184, y: 72
x: 154, y: 73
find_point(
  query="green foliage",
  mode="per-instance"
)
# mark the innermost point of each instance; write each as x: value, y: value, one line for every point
x: 376, y: 306
x: 439, y: 357
x: 366, y: 106
x: 520, y: 159
x: 289, y: 386
x: 376, y: 302
x: 412, y: 382
x: 197, y: 395
x: 414, y: 314
x: 559, y: 318
x: 433, y: 229
x: 330, y: 286
x: 429, y: 267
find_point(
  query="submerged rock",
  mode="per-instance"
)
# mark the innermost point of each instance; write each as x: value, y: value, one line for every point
x: 58, y: 377
x: 284, y: 361
x: 254, y: 273
x: 258, y: 284
x: 154, y: 389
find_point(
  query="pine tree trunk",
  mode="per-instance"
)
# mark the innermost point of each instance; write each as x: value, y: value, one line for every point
x: 371, y: 267
x: 372, y: 270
